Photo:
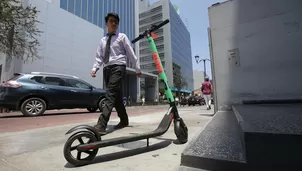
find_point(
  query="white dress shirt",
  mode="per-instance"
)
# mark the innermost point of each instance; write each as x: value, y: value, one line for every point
x: 120, y: 50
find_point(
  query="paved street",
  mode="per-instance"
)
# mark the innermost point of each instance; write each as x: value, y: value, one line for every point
x: 15, y: 121
x: 36, y: 144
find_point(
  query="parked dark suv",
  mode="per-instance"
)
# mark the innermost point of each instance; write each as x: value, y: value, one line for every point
x: 36, y: 92
x: 194, y: 100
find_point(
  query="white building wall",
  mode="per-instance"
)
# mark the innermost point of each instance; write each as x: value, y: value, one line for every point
x: 167, y: 40
x: 2, y: 63
x: 198, y: 77
x: 136, y: 13
x: 168, y: 43
x: 143, y: 5
x: 68, y: 44
x: 268, y: 36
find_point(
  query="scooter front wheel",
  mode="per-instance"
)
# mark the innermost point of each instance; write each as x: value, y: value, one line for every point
x: 70, y: 149
x: 181, y: 131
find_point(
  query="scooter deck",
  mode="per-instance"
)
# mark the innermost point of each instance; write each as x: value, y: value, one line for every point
x: 160, y: 130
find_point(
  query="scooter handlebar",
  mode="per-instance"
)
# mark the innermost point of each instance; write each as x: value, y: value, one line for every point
x: 153, y: 28
x: 138, y: 38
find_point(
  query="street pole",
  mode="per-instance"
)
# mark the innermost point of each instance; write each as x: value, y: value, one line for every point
x: 204, y: 64
x: 205, y: 70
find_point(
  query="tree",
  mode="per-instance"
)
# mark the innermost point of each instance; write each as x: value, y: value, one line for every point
x: 18, y: 30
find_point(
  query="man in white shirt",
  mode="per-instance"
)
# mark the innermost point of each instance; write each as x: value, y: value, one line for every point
x: 113, y: 51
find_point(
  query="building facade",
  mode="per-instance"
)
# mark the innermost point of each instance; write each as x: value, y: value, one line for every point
x: 71, y: 31
x: 94, y: 11
x: 68, y: 45
x: 173, y: 45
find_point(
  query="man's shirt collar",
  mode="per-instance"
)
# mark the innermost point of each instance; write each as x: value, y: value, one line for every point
x: 114, y: 33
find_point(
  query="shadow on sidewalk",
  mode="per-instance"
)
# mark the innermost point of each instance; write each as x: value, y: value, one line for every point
x: 126, y: 153
x: 208, y: 115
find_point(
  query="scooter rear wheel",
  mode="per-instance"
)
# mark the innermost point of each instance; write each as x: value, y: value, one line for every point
x: 69, y: 148
x: 181, y: 131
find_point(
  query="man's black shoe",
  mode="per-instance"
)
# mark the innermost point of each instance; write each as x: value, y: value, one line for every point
x: 101, y: 130
x: 121, y: 125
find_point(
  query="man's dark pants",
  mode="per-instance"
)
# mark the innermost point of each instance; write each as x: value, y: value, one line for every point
x: 113, y: 77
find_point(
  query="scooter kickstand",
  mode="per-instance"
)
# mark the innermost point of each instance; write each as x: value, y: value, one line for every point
x: 147, y: 142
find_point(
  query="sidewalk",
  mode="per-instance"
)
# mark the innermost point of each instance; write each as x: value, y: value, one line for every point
x: 41, y: 149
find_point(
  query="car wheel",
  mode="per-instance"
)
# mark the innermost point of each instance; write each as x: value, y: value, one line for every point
x: 33, y: 107
x: 92, y: 109
x: 101, y: 104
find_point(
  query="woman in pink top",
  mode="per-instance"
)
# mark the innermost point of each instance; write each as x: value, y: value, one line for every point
x: 206, y: 89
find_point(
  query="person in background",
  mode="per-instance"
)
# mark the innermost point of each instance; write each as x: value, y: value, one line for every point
x: 182, y: 100
x: 176, y: 101
x: 125, y: 101
x: 206, y: 89
x: 129, y: 101
x: 143, y: 100
x: 113, y: 51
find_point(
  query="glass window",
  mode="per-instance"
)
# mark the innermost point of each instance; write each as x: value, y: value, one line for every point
x: 90, y: 10
x: 84, y: 9
x: 122, y: 9
x: 54, y: 81
x: 78, y: 84
x: 78, y: 8
x: 37, y: 79
x: 71, y: 6
x: 109, y: 6
x: 130, y: 20
x: 113, y: 6
x: 133, y: 20
x: 126, y: 11
x: 119, y: 3
x: 105, y: 13
x: 63, y: 4
x: 100, y: 14
x: 95, y: 11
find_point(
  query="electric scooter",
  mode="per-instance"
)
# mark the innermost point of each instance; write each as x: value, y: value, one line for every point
x: 95, y: 141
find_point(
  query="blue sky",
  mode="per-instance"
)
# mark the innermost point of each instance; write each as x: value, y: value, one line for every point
x: 196, y: 13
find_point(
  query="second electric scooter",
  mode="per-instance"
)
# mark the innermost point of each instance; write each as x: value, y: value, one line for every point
x: 95, y: 141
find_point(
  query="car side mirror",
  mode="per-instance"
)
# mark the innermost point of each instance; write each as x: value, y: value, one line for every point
x: 91, y: 88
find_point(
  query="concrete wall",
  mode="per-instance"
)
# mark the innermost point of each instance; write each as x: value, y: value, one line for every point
x: 266, y: 62
x: 2, y: 63
x: 9, y: 66
x: 143, y: 5
x: 136, y: 13
x: 68, y: 44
